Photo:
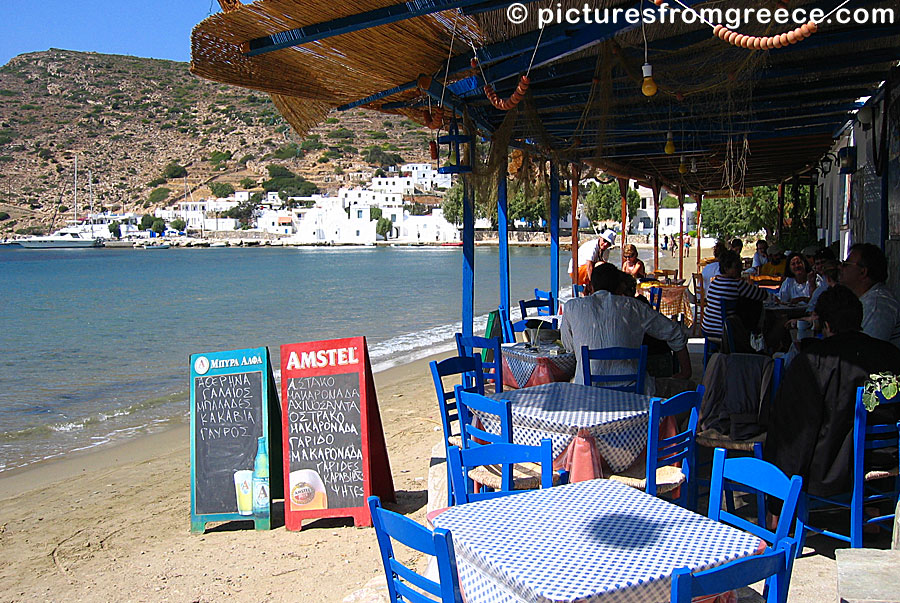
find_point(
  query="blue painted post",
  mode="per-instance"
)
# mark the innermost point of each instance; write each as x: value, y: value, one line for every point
x: 503, y: 236
x: 554, y: 231
x: 468, y: 272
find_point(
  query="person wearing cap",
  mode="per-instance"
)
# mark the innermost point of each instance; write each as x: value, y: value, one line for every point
x: 591, y: 253
x: 631, y: 264
x: 777, y: 264
x: 864, y: 272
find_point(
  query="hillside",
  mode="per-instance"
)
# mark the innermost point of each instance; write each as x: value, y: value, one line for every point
x: 128, y: 118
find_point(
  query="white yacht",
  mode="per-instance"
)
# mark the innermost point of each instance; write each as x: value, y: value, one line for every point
x: 60, y: 239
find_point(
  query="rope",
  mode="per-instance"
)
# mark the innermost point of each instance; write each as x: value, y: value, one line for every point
x: 449, y: 56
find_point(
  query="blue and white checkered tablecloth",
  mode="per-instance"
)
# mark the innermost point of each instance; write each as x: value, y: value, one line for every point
x: 597, y: 540
x: 560, y: 411
x: 522, y: 358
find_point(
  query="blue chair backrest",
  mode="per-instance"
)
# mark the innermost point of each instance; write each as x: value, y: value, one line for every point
x: 577, y: 290
x: 456, y: 365
x: 870, y: 435
x: 509, y: 335
x: 461, y: 461
x: 541, y: 294
x: 762, y: 476
x: 473, y: 435
x: 679, y: 448
x: 402, y: 581
x: 544, y: 307
x: 776, y: 564
x: 655, y: 297
x: 491, y: 357
x: 637, y: 378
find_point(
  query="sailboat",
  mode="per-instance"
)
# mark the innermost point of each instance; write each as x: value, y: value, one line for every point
x: 71, y: 236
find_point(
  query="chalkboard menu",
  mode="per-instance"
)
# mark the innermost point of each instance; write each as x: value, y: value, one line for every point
x: 232, y: 396
x: 333, y: 438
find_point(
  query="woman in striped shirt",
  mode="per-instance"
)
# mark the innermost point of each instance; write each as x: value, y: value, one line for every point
x: 727, y: 287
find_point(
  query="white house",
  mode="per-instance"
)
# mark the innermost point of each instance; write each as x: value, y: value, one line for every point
x: 203, y: 214
x: 326, y: 222
x: 401, y: 185
x: 276, y: 221
x: 433, y: 228
x: 425, y: 177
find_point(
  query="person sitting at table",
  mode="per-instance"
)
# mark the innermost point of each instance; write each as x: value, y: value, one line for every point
x: 799, y: 286
x: 631, y: 264
x: 865, y: 272
x: 729, y: 287
x: 760, y: 257
x: 830, y: 273
x: 590, y: 254
x: 810, y: 423
x: 712, y: 269
x: 605, y: 319
x: 776, y: 264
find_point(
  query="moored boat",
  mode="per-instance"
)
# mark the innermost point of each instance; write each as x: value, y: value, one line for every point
x: 60, y: 239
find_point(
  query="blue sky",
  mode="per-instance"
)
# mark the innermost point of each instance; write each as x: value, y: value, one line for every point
x: 159, y: 29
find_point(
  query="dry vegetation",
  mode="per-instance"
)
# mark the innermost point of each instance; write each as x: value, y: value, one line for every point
x: 127, y: 118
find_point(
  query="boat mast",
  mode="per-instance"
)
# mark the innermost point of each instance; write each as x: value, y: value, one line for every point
x: 91, y: 193
x: 75, y: 209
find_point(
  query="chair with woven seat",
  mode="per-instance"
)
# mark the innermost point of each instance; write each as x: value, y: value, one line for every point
x: 751, y: 473
x: 447, y: 403
x: 657, y: 474
x: 504, y: 468
x: 488, y: 349
x: 635, y: 381
x: 774, y: 565
x: 870, y: 486
x: 752, y: 445
x: 405, y: 585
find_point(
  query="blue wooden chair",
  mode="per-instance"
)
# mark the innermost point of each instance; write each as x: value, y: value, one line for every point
x: 636, y: 379
x: 544, y: 307
x: 509, y: 328
x: 655, y: 297
x: 540, y: 294
x: 405, y: 585
x: 869, y: 487
x: 513, y: 467
x: 474, y: 435
x: 774, y: 566
x: 490, y: 354
x: 577, y: 290
x: 462, y: 366
x: 657, y: 473
x: 761, y: 476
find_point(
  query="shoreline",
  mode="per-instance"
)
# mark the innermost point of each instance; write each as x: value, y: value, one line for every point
x: 72, y: 528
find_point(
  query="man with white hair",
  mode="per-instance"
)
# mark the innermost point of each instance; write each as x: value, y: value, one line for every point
x: 591, y: 253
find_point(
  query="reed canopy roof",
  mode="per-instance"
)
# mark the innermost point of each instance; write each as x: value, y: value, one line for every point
x: 737, y: 117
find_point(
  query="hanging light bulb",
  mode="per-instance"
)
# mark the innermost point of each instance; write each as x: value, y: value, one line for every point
x: 670, y: 144
x: 682, y: 167
x: 693, y: 165
x: 649, y: 86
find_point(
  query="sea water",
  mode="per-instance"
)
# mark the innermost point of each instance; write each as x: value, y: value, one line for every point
x: 96, y: 342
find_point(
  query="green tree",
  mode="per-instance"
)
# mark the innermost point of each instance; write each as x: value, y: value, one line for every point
x: 146, y: 222
x: 416, y: 209
x: 384, y: 227
x: 452, y: 204
x: 604, y: 202
x: 174, y: 170
x: 374, y: 213
x: 221, y: 189
x: 242, y: 212
x: 669, y: 202
x: 178, y: 224
x: 115, y: 229
x: 279, y: 171
x: 247, y: 182
x: 158, y: 195
x: 375, y: 155
x: 158, y: 226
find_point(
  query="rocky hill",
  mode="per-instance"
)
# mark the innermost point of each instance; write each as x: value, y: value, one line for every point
x: 128, y: 118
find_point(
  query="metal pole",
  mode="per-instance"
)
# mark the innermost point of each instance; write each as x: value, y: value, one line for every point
x: 680, y: 233
x: 574, y: 188
x: 554, y: 232
x: 623, y: 191
x: 503, y: 235
x: 656, y: 191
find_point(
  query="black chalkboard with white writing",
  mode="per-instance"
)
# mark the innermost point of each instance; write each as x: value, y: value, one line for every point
x: 230, y: 437
x: 324, y: 440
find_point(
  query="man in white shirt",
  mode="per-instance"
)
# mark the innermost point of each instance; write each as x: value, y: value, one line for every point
x: 864, y: 272
x: 604, y: 320
x: 712, y: 269
x: 590, y: 253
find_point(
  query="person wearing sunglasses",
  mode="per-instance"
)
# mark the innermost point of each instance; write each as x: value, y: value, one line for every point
x: 631, y: 264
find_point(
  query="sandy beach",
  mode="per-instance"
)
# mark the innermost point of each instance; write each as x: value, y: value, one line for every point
x: 114, y: 524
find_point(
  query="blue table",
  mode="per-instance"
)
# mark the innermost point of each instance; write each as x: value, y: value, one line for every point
x: 592, y: 541
x: 580, y: 420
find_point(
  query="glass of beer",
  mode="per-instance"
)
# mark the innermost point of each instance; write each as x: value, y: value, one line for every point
x: 243, y: 488
x: 307, y: 491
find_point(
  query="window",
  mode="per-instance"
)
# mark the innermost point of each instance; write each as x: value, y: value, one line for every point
x: 393, y: 217
x: 670, y: 221
x: 357, y: 233
x: 359, y: 215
